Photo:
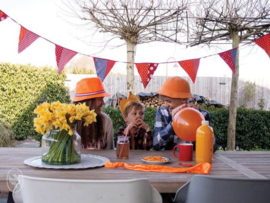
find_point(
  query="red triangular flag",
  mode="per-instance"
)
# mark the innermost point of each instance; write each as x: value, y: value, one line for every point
x: 63, y: 56
x: 26, y: 38
x: 110, y: 64
x: 191, y: 67
x: 230, y: 58
x: 264, y: 43
x: 3, y: 16
x: 146, y: 71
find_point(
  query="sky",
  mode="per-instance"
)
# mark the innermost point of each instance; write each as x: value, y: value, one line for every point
x: 44, y: 18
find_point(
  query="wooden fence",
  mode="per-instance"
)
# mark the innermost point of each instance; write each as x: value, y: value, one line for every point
x: 215, y: 88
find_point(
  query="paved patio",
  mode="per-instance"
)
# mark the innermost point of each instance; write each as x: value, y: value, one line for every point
x: 27, y: 143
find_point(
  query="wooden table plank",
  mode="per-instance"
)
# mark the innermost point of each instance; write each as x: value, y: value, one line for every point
x: 225, y: 164
x: 243, y: 169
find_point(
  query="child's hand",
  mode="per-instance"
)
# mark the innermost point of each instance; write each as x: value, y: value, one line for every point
x: 131, y: 125
x: 175, y: 110
x: 142, y: 124
x: 193, y: 106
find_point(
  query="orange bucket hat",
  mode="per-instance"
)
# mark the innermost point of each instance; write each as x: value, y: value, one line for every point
x: 175, y: 87
x: 89, y: 88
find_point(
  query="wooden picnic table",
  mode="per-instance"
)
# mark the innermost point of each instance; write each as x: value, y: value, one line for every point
x: 239, y: 164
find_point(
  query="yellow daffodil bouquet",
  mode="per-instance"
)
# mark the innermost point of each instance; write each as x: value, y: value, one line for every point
x: 57, y: 121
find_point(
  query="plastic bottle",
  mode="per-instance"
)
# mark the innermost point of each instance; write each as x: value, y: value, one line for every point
x: 204, y: 143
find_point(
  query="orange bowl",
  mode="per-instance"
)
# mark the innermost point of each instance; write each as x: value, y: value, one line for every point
x: 186, y: 122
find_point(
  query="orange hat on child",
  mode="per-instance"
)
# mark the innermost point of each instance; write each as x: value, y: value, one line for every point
x: 89, y: 88
x: 125, y: 102
x: 175, y: 87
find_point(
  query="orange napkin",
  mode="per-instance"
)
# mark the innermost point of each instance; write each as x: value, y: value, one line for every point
x: 184, y: 164
x: 202, y: 168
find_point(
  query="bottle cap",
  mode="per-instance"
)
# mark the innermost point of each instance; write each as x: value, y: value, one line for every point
x: 205, y: 122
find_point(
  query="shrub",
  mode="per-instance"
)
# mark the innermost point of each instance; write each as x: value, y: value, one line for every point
x: 6, y: 136
x: 116, y: 116
x: 252, y: 128
x: 22, y: 88
x: 261, y: 103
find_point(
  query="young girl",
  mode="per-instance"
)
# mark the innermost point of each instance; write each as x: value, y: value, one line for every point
x: 136, y: 129
x: 99, y: 134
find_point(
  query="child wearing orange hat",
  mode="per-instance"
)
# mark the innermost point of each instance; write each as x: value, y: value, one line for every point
x: 98, y: 135
x: 133, y: 114
x: 175, y: 93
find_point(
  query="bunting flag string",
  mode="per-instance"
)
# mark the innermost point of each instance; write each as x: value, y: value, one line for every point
x: 26, y: 39
x: 146, y: 71
x: 264, y: 43
x: 3, y: 16
x: 63, y: 56
x: 191, y: 67
x: 103, y: 67
x: 230, y: 58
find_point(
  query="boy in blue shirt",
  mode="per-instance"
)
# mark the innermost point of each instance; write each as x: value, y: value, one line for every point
x: 175, y: 93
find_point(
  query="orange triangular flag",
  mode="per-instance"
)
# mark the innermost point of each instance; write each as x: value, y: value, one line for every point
x: 26, y: 39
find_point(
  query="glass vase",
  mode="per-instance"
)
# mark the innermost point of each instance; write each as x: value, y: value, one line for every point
x: 60, y: 148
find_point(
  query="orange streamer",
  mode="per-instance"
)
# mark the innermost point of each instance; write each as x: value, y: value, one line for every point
x: 201, y: 168
x: 185, y: 164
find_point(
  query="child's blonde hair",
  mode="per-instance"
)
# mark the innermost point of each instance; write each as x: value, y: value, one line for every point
x: 136, y: 105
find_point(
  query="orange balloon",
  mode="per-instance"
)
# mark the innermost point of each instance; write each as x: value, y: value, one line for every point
x: 186, y: 122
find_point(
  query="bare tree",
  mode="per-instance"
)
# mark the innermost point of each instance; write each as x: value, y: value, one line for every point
x: 81, y: 64
x: 135, y: 22
x: 232, y: 21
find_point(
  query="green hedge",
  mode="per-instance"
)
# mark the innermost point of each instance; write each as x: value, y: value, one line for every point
x: 22, y: 87
x: 252, y: 126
